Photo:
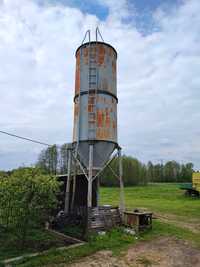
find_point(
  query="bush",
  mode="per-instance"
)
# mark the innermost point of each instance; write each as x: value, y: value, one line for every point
x: 27, y: 198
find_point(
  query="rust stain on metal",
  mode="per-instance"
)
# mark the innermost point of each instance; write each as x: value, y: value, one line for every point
x: 110, y: 51
x: 105, y: 125
x: 99, y: 118
x: 76, y: 110
x: 114, y: 67
x: 107, y: 118
x: 76, y: 113
x: 101, y: 54
x: 91, y: 100
x: 103, y: 133
x: 85, y: 55
x: 90, y: 108
x: 77, y: 80
x: 114, y: 124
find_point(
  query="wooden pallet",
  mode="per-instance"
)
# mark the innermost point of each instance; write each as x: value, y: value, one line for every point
x: 103, y: 218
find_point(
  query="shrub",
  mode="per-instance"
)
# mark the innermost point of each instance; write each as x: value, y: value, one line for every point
x: 27, y: 198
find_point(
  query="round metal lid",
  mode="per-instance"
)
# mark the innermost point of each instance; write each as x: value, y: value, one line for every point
x: 96, y: 42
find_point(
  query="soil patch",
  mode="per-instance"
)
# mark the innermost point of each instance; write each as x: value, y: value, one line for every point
x: 162, y: 252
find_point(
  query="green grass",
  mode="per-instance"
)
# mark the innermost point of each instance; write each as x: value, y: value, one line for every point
x: 162, y: 198
x: 117, y: 241
x: 37, y: 240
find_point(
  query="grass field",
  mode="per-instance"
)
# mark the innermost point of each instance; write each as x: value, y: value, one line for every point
x: 117, y: 241
x: 165, y: 199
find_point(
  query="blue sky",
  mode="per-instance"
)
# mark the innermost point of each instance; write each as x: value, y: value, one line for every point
x: 142, y: 10
x: 101, y: 11
x: 158, y: 74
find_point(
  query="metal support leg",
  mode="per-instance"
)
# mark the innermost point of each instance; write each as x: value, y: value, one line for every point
x: 66, y: 209
x: 98, y: 186
x: 122, y: 200
x: 74, y: 187
x: 90, y: 176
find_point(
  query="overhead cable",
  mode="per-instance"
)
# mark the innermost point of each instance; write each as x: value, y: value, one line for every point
x: 25, y: 138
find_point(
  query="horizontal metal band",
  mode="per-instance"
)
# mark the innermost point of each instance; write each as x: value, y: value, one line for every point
x: 95, y: 43
x: 96, y: 141
x: 98, y: 92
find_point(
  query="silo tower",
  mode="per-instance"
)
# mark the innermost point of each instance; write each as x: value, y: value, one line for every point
x: 95, y: 113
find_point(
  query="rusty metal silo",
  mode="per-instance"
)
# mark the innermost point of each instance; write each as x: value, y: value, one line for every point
x: 95, y: 112
x: 95, y: 102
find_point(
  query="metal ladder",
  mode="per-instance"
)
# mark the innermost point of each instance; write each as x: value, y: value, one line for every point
x: 92, y: 91
x: 93, y: 87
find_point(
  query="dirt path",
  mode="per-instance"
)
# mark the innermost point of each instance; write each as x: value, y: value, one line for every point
x: 162, y: 252
x: 169, y: 218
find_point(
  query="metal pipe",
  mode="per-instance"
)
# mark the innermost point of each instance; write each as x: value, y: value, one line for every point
x: 106, y: 165
x: 91, y: 148
x: 122, y: 199
x: 98, y: 32
x: 87, y: 33
x: 79, y: 163
x: 97, y: 192
x: 74, y: 187
x: 66, y: 209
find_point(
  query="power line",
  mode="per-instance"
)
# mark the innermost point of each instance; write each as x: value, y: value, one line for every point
x: 24, y: 138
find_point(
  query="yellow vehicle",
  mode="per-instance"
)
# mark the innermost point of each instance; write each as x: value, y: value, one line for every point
x: 196, y: 181
x: 194, y: 187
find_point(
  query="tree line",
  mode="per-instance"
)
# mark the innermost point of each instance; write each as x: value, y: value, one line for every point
x: 53, y: 160
x: 138, y: 173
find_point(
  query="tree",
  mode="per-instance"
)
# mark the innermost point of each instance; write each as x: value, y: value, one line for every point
x: 134, y: 173
x: 48, y: 160
x: 63, y: 158
x: 186, y: 172
x: 3, y: 174
x: 54, y: 160
x: 150, y: 174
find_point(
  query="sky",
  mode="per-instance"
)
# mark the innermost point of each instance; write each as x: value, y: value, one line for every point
x: 158, y: 74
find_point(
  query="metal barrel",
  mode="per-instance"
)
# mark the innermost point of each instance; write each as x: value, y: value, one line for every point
x: 95, y: 101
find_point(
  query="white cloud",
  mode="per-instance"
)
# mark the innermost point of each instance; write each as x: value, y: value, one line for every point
x: 158, y: 78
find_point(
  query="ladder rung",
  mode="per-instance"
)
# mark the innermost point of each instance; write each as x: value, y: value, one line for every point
x: 92, y: 80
